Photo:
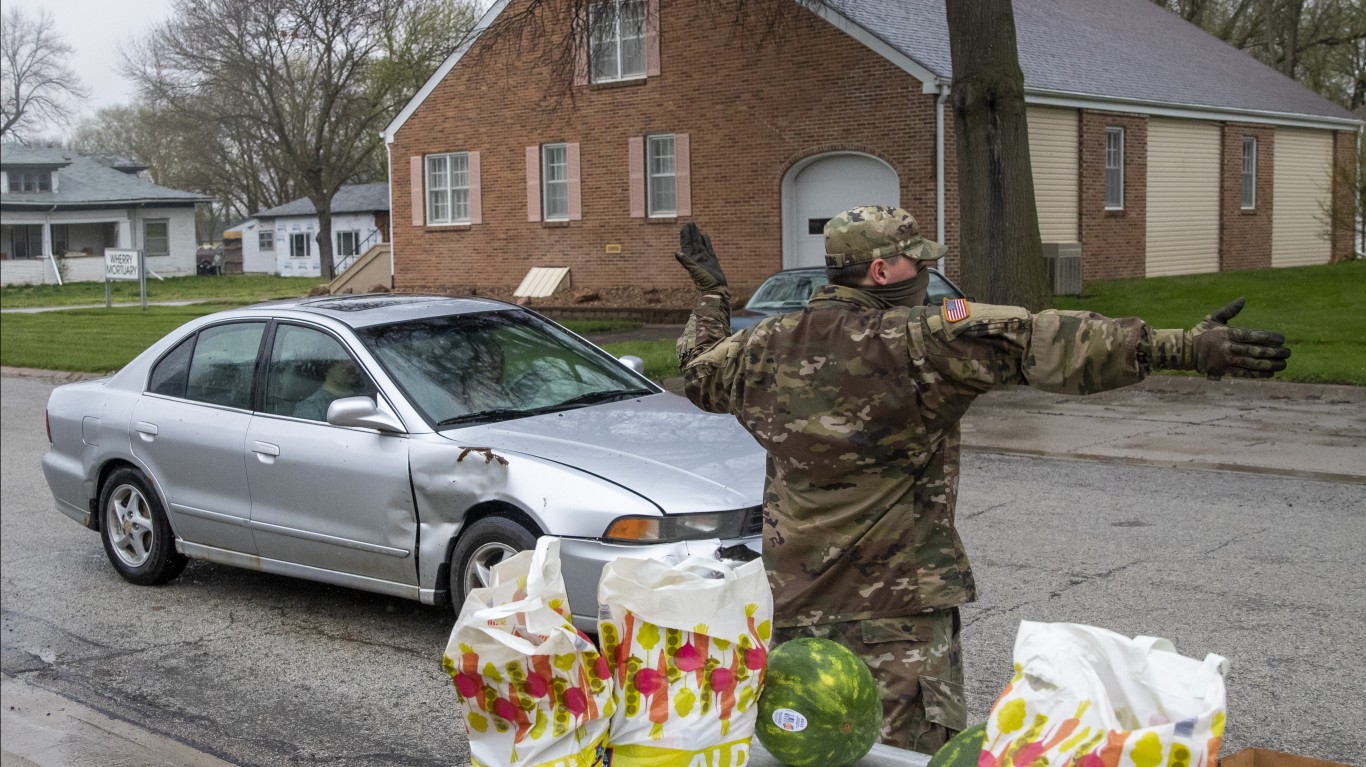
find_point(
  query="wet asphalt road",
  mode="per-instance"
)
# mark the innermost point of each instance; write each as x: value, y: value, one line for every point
x: 264, y: 670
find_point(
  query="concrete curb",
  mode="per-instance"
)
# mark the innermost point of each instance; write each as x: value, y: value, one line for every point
x: 43, y: 729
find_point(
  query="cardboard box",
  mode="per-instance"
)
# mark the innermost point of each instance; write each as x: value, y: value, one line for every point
x: 1261, y: 757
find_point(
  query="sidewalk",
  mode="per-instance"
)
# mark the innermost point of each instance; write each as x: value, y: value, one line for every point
x: 1309, y: 431
x: 115, y: 305
x: 41, y: 729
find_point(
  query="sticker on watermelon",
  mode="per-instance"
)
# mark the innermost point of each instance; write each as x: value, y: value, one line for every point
x: 827, y: 690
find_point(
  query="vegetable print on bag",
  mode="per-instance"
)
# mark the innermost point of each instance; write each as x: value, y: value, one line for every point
x: 687, y: 654
x: 1089, y: 697
x: 536, y: 691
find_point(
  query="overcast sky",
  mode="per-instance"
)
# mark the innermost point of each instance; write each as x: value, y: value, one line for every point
x: 96, y: 29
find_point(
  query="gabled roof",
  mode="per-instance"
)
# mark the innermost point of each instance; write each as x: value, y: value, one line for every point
x: 12, y: 154
x: 1124, y: 50
x: 352, y: 198
x: 1121, y: 55
x: 84, y: 182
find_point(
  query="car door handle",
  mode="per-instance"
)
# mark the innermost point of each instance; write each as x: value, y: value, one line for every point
x: 147, y: 430
x: 265, y: 448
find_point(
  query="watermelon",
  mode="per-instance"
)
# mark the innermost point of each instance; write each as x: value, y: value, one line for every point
x: 963, y: 749
x: 819, y: 707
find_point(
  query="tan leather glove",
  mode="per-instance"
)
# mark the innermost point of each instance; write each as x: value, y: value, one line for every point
x: 697, y: 256
x: 1214, y: 348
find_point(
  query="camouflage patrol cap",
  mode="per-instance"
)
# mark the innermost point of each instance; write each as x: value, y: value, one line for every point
x: 862, y: 234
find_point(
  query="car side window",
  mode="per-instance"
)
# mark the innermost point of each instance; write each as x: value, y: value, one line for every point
x: 223, y: 363
x: 171, y: 373
x: 938, y: 290
x: 308, y: 370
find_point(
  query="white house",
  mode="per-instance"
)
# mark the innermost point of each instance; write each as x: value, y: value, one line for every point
x: 283, y: 239
x: 61, y: 210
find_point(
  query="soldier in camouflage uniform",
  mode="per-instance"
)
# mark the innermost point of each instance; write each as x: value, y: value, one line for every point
x: 857, y: 399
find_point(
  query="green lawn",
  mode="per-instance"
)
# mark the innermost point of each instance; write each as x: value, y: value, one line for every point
x: 237, y: 288
x: 661, y: 361
x: 1319, y: 308
x: 90, y: 340
x: 103, y: 340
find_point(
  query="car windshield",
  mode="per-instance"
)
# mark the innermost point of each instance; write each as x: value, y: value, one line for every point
x: 786, y: 291
x: 474, y: 368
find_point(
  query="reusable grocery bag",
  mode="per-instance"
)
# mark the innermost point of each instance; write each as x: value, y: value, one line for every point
x: 1089, y: 697
x: 687, y: 645
x: 535, y: 689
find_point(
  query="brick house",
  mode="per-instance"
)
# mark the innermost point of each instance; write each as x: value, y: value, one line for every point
x: 1159, y: 152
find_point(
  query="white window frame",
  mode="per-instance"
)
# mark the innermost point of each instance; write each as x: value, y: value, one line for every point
x: 1249, y: 173
x: 265, y: 239
x: 1114, y: 168
x: 554, y: 182
x: 661, y: 168
x: 20, y: 181
x: 618, y: 42
x: 146, y: 248
x: 448, y: 188
x: 297, y: 237
x: 354, y: 235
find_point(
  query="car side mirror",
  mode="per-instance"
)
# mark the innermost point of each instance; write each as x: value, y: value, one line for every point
x: 362, y: 412
x: 633, y: 362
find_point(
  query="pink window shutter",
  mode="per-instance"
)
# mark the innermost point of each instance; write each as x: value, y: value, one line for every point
x: 571, y: 152
x: 533, y: 183
x: 636, y: 165
x: 652, y: 38
x: 682, y: 176
x: 418, y: 199
x: 476, y: 196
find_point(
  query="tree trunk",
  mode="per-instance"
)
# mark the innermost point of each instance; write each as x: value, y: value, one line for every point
x: 1002, y: 257
x: 324, y: 207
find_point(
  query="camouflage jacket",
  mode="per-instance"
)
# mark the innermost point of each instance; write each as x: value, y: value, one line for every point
x: 858, y: 407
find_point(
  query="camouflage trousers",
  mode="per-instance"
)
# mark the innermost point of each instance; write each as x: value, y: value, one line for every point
x: 918, y: 665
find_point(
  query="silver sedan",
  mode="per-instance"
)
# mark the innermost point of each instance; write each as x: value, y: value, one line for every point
x: 397, y: 444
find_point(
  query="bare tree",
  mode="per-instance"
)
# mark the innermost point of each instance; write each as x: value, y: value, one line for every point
x: 37, y: 86
x: 291, y: 79
x: 185, y: 153
x: 1000, y: 249
x: 1313, y: 41
x: 552, y: 35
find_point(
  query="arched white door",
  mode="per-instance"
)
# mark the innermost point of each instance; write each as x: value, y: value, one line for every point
x: 821, y: 187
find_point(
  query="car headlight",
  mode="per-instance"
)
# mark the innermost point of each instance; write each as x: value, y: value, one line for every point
x: 684, y: 527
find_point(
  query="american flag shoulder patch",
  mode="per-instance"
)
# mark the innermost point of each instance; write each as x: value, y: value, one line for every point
x: 955, y: 309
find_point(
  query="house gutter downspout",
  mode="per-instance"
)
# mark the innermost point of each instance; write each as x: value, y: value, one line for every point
x: 939, y: 203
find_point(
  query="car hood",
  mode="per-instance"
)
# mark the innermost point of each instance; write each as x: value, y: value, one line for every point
x: 659, y: 447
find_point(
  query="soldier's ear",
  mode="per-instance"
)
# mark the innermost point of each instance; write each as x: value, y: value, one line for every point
x: 877, y: 271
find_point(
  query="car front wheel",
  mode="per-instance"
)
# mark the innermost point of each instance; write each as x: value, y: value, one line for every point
x: 486, y: 543
x: 137, y: 536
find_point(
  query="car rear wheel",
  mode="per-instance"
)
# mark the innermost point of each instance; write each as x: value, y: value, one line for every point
x: 137, y: 536
x: 483, y: 545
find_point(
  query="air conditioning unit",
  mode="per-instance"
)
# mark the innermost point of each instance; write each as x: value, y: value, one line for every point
x: 1064, y: 267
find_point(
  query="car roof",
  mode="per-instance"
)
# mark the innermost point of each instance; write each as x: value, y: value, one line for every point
x: 369, y: 309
